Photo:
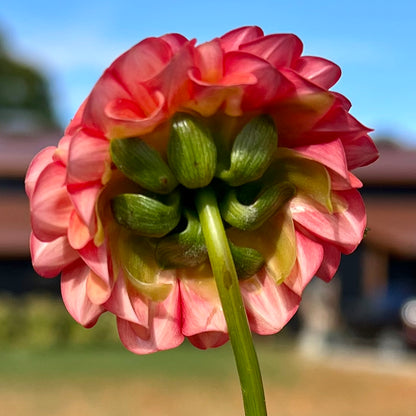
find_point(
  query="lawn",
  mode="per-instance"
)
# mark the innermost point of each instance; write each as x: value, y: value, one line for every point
x: 109, y: 381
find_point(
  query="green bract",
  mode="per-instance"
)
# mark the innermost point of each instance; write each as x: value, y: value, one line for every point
x: 252, y: 187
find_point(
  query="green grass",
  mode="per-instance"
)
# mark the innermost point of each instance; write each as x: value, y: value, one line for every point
x: 94, y: 361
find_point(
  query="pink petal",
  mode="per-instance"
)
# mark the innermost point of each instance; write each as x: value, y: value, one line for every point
x: 84, y: 199
x: 175, y: 41
x: 74, y: 294
x: 61, y: 153
x: 96, y: 259
x: 332, y: 155
x: 209, y: 60
x: 141, y: 63
x: 210, y: 339
x: 98, y: 291
x: 269, y: 306
x: 50, y: 258
x: 344, y: 228
x: 360, y: 152
x: 330, y: 262
x: 232, y: 40
x: 337, y: 123
x: 270, y: 84
x: 37, y: 165
x: 107, y: 89
x: 280, y: 50
x: 201, y: 307
x: 51, y: 207
x: 309, y: 258
x: 88, y: 158
x: 78, y: 233
x: 161, y: 332
x: 318, y: 70
x: 127, y: 304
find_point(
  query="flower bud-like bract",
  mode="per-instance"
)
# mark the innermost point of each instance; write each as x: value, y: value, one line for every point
x: 147, y: 216
x: 252, y: 151
x: 252, y: 216
x: 142, y: 164
x: 192, y: 154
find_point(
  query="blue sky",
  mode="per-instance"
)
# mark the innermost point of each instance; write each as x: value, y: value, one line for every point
x: 373, y: 42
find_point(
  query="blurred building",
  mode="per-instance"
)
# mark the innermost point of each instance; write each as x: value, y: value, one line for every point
x: 16, y: 152
x: 380, y: 277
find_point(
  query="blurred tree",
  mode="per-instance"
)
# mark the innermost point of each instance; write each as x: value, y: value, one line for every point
x: 25, y: 102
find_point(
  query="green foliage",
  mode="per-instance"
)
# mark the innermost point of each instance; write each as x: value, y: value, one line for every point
x: 41, y: 321
x: 24, y: 92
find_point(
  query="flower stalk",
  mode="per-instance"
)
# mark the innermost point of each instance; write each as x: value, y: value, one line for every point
x: 225, y: 275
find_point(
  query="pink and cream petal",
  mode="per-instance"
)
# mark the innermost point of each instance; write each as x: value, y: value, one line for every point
x: 269, y: 306
x: 308, y: 260
x: 330, y: 263
x: 51, y: 207
x: 50, y: 258
x: 318, y: 70
x: 36, y: 167
x: 162, y: 331
x: 232, y: 40
x: 280, y: 50
x: 88, y: 158
x: 126, y: 303
x: 74, y: 294
x: 344, y: 228
x: 201, y: 305
x: 210, y: 339
x: 96, y: 259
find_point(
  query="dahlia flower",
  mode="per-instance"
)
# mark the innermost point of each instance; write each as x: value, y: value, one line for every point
x: 114, y: 205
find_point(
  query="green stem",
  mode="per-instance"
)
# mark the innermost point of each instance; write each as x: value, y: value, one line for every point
x: 223, y: 268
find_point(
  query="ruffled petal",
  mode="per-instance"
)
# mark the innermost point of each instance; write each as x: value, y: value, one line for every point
x: 127, y: 304
x: 232, y: 40
x: 360, y: 152
x: 332, y: 155
x: 318, y: 70
x: 280, y: 50
x: 51, y: 207
x: 36, y: 167
x: 88, y: 158
x: 269, y: 306
x: 162, y: 330
x: 344, y: 228
x: 50, y: 258
x: 74, y: 294
x: 200, y: 302
x: 96, y: 259
x: 84, y: 200
x: 330, y: 263
x: 308, y: 259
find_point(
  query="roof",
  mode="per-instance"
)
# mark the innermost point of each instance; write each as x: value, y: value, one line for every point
x: 396, y: 166
x: 392, y: 224
x: 16, y: 152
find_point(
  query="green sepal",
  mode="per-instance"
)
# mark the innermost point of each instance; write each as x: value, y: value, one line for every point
x: 248, y: 261
x: 184, y: 249
x: 142, y: 164
x: 136, y: 258
x: 145, y: 215
x: 250, y: 216
x: 252, y: 151
x: 309, y: 177
x: 192, y: 154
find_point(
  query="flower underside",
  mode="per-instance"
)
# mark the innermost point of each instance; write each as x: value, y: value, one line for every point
x: 153, y: 222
